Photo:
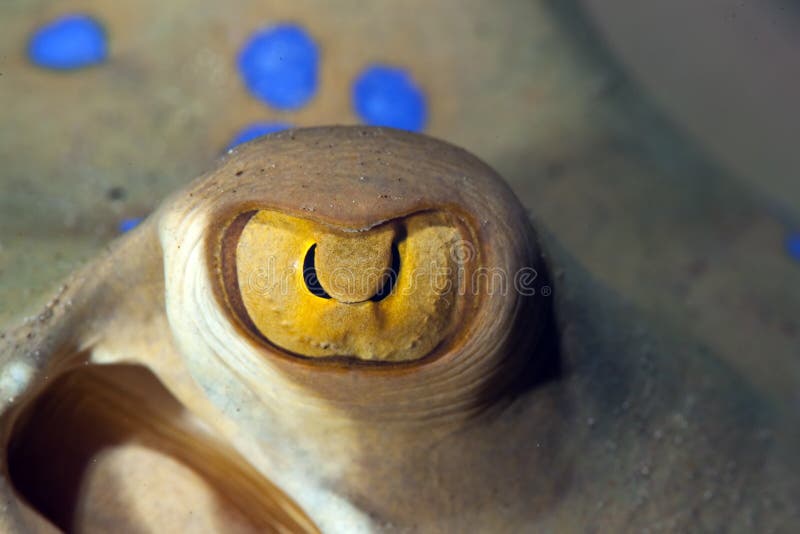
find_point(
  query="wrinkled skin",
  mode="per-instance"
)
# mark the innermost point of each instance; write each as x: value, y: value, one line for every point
x: 557, y: 412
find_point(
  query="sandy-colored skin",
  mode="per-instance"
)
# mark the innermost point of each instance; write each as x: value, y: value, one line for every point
x: 558, y: 411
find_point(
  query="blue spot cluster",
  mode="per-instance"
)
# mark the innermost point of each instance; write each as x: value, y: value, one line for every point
x: 69, y: 42
x: 126, y: 225
x: 388, y: 96
x: 279, y: 66
x: 255, y: 130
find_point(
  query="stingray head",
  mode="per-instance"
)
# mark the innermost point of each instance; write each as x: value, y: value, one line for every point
x: 275, y: 323
x: 379, y: 273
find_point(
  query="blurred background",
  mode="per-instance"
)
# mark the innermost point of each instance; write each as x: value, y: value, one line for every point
x: 652, y: 140
x: 727, y: 71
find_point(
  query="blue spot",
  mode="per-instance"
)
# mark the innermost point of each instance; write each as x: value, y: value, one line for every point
x: 388, y: 96
x: 793, y: 245
x: 68, y: 42
x: 279, y: 66
x: 126, y: 225
x: 256, y: 130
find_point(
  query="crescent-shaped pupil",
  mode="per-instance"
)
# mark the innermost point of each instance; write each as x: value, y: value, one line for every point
x: 310, y: 275
x: 390, y: 277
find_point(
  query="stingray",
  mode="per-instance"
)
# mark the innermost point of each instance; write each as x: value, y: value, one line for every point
x: 353, y: 329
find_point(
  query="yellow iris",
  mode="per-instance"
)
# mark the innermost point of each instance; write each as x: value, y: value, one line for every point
x: 390, y: 293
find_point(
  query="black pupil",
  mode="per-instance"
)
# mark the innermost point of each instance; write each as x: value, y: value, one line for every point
x: 316, y: 289
x: 390, y: 279
x: 310, y: 275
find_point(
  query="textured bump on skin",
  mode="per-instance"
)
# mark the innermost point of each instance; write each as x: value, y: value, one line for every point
x: 356, y: 178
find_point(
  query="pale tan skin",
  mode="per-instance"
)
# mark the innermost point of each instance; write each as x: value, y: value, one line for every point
x: 564, y: 412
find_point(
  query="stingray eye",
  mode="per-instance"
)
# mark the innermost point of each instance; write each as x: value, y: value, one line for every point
x: 390, y: 293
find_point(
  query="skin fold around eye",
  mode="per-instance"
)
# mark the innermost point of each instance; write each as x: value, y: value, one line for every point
x: 428, y: 284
